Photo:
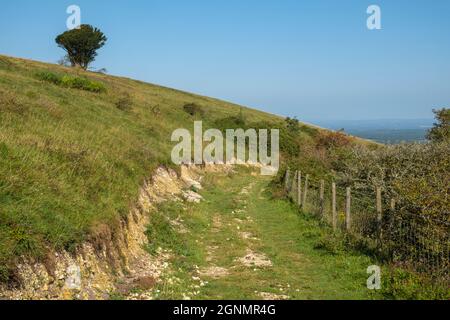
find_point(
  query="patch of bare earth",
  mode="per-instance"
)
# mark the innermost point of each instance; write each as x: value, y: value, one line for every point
x: 144, y: 276
x: 210, y: 251
x: 248, y: 236
x: 179, y: 226
x: 214, y: 272
x: 216, y: 224
x: 255, y: 259
x: 246, y: 190
x: 273, y: 296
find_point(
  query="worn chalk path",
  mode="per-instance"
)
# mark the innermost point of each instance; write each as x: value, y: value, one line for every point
x: 239, y: 243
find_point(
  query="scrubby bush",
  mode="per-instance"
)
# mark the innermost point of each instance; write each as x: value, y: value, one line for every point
x: 49, y: 77
x: 82, y: 84
x: 441, y: 129
x: 193, y: 109
x: 232, y: 122
x: 72, y: 82
x: 400, y: 284
x: 417, y: 175
x: 10, y: 102
x: 329, y: 243
x: 329, y: 139
x: 292, y: 124
x: 125, y: 103
x: 156, y: 110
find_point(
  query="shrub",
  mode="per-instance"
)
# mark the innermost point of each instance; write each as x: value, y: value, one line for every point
x: 292, y: 125
x: 441, y: 129
x: 329, y: 244
x: 72, y: 82
x: 329, y: 140
x: 416, y: 175
x: 193, y: 109
x: 402, y: 284
x: 9, y: 102
x: 49, y: 77
x: 125, y: 103
x: 82, y: 84
x: 156, y: 110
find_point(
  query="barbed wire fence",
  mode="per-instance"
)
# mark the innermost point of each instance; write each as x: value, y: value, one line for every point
x: 413, y: 241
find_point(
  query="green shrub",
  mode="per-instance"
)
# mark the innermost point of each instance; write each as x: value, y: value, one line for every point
x: 193, y: 109
x: 400, y: 284
x: 72, y: 82
x: 125, y: 103
x: 292, y: 125
x: 330, y: 244
x: 82, y: 84
x: 329, y: 139
x: 49, y: 77
x: 441, y: 129
x: 416, y: 175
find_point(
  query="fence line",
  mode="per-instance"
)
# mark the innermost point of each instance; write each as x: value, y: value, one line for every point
x: 407, y: 239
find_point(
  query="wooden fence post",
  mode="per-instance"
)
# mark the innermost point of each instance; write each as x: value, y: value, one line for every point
x: 322, y: 198
x: 294, y: 181
x: 305, y: 191
x: 379, y: 214
x: 286, y: 181
x: 299, y: 190
x: 333, y: 205
x: 348, y: 221
x: 379, y: 208
x: 392, y: 204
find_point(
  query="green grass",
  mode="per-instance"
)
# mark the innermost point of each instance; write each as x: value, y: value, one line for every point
x: 301, y: 270
x: 72, y: 160
x: 73, y: 82
x: 75, y: 146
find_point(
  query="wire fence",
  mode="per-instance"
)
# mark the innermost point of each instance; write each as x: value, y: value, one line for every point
x: 413, y: 241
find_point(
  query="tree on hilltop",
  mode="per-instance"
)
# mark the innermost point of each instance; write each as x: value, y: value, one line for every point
x: 81, y: 44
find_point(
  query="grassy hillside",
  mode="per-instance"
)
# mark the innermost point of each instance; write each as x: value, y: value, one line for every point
x: 241, y: 243
x: 76, y: 145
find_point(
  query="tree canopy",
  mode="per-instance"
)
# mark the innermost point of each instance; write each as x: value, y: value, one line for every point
x: 81, y: 45
x: 441, y: 129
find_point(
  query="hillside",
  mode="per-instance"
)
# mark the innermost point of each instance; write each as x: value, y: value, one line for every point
x: 85, y: 156
x: 74, y: 152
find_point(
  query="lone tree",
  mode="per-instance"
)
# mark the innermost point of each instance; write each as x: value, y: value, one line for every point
x: 441, y: 129
x: 81, y: 44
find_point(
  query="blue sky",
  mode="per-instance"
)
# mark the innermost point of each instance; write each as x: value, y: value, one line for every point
x: 312, y: 59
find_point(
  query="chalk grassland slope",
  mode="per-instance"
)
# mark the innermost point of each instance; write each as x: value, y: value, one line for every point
x: 75, y: 147
x: 72, y: 160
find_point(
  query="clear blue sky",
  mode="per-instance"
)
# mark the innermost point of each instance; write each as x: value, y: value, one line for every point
x: 311, y: 59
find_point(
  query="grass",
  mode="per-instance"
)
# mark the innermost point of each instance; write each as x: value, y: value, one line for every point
x: 75, y: 146
x: 300, y: 269
x: 72, y: 160
x: 73, y: 82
